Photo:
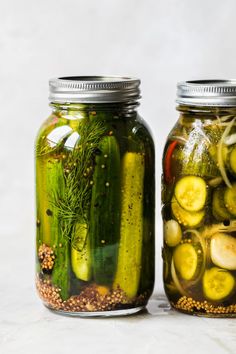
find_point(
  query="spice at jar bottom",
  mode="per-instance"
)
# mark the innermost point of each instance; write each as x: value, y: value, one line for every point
x: 199, y: 201
x: 95, y: 198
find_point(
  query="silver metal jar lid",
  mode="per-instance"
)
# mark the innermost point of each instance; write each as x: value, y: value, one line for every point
x: 207, y: 93
x: 94, y: 89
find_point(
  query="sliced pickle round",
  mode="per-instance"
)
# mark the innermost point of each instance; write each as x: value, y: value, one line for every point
x: 186, y: 260
x: 230, y: 199
x: 185, y: 217
x: 191, y: 193
x: 219, y: 209
x: 223, y: 251
x: 218, y: 284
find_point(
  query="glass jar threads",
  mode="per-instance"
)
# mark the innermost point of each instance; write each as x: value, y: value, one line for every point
x: 199, y: 201
x: 95, y: 199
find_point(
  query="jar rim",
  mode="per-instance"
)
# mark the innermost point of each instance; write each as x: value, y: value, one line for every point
x: 94, y: 89
x: 215, y: 92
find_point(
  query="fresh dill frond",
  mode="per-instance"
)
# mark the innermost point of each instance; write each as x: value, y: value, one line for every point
x: 73, y: 203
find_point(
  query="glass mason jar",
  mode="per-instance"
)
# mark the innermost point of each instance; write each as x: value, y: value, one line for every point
x: 199, y: 201
x: 95, y: 199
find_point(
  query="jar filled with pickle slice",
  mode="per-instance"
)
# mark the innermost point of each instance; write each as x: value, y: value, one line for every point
x: 199, y: 201
x: 95, y: 199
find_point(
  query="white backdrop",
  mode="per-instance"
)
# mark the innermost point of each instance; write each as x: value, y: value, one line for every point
x: 159, y: 41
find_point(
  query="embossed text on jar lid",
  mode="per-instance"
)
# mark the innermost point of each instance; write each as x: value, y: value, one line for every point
x: 219, y: 93
x: 94, y: 89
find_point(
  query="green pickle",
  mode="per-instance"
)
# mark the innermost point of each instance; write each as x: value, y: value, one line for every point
x: 199, y: 212
x: 95, y: 209
x: 131, y: 226
x: 105, y: 211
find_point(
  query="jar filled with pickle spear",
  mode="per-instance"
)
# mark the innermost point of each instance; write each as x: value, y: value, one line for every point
x: 199, y: 201
x: 95, y: 199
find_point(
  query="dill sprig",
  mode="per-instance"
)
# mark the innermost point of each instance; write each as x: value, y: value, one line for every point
x: 73, y: 202
x: 42, y: 147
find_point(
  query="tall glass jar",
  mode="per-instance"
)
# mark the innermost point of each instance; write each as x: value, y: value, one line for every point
x: 199, y: 201
x: 95, y: 199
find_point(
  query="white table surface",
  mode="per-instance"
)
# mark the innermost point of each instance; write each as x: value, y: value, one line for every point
x: 26, y: 327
